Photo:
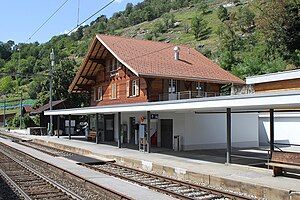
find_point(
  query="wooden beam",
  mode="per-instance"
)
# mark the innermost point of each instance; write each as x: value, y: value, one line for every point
x: 98, y: 61
x: 91, y: 78
x: 84, y: 86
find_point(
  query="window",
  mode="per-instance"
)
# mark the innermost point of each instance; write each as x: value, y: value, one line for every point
x: 200, y: 89
x: 172, y: 86
x: 132, y: 88
x: 98, y: 94
x: 113, y: 91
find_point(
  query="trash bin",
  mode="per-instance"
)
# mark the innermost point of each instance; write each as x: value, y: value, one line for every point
x: 177, y: 143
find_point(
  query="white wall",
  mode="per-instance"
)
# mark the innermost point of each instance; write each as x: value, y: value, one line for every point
x: 286, y: 129
x: 204, y: 131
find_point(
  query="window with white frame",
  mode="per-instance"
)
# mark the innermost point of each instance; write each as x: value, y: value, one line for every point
x: 199, y: 88
x: 172, y: 86
x: 113, y: 91
x: 133, y: 88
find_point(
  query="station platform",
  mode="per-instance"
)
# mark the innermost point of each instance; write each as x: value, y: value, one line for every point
x: 126, y: 188
x: 239, y: 178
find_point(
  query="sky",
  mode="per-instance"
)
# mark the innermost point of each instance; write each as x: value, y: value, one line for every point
x: 19, y: 19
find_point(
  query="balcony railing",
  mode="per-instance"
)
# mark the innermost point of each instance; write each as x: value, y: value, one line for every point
x: 186, y: 95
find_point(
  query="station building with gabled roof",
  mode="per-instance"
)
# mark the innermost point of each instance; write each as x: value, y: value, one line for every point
x: 171, y: 90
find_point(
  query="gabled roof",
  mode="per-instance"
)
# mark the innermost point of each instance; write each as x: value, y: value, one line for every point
x: 45, y: 107
x: 151, y: 59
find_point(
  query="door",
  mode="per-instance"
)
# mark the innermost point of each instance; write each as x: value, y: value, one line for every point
x: 166, y: 133
x: 109, y: 128
x: 132, y: 130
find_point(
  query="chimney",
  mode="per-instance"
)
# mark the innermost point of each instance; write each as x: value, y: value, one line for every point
x: 176, y: 50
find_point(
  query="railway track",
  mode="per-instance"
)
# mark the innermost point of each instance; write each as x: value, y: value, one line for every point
x: 29, y: 182
x: 172, y: 187
x: 31, y: 178
x: 175, y: 188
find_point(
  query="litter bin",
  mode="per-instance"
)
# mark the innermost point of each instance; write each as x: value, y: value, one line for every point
x: 177, y: 143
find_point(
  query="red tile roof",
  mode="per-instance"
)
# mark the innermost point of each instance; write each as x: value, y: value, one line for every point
x: 153, y: 59
x: 149, y: 58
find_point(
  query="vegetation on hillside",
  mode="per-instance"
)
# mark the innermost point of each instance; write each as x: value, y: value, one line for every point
x: 244, y: 37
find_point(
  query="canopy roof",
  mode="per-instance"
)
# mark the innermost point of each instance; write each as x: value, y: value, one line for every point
x: 45, y: 107
x: 262, y: 101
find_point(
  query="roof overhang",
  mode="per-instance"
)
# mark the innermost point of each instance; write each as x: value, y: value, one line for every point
x: 279, y: 76
x: 279, y: 100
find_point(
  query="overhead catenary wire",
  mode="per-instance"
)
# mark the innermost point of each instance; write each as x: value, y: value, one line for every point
x: 102, y: 8
x: 48, y: 19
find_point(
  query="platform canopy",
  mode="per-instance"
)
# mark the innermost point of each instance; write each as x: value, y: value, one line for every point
x: 262, y: 101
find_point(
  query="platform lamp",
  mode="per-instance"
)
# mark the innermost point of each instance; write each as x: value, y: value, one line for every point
x: 52, y: 57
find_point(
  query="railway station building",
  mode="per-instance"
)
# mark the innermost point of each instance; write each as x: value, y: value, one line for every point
x: 173, y: 91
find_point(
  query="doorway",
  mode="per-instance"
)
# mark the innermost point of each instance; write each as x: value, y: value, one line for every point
x: 166, y: 133
x: 109, y: 130
x: 132, y: 130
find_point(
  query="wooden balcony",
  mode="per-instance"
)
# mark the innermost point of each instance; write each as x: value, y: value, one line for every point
x: 186, y: 95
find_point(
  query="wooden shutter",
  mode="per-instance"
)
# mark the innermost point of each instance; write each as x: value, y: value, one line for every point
x: 95, y: 94
x: 100, y: 93
x: 113, y: 91
x: 137, y: 87
x: 128, y: 88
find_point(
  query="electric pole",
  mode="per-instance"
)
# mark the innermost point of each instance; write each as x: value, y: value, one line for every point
x: 21, y: 101
x: 51, y: 82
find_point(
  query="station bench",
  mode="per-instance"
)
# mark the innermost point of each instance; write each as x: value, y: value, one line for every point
x: 281, y: 161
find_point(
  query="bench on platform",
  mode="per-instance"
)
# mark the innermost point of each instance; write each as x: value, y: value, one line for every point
x: 281, y: 161
x: 91, y: 136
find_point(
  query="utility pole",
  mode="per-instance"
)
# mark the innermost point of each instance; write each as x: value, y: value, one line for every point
x: 4, y: 108
x: 21, y: 101
x: 51, y: 80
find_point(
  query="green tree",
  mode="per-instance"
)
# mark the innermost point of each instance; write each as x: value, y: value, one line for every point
x: 245, y: 18
x: 7, y: 85
x: 199, y: 27
x: 203, y: 6
x: 222, y: 13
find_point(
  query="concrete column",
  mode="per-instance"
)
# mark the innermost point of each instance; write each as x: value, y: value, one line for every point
x: 148, y: 132
x: 58, y: 124
x: 97, y: 129
x: 119, y: 131
x: 228, y: 119
x: 69, y: 127
x: 271, y: 130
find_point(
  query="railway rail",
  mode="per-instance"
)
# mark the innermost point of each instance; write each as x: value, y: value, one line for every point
x: 173, y: 187
x: 32, y: 178
x: 29, y: 182
x: 170, y: 186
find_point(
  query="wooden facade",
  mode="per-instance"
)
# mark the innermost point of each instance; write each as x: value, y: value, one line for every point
x: 114, y: 85
x: 292, y: 84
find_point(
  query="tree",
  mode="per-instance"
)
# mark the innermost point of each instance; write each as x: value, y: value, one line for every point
x: 203, y: 6
x: 7, y: 85
x: 222, y: 13
x: 199, y: 27
x: 245, y: 19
